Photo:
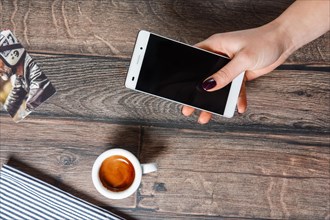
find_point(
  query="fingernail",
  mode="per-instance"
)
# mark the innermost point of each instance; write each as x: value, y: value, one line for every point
x: 209, y: 84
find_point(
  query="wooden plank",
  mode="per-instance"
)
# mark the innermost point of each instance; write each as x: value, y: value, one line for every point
x: 229, y: 174
x: 109, y: 28
x: 151, y: 215
x: 93, y: 87
x: 62, y: 152
x: 236, y: 174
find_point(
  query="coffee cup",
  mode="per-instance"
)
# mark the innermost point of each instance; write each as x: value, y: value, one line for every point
x: 117, y: 173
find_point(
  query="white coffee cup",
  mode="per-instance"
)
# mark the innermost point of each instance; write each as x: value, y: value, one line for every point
x: 106, y: 162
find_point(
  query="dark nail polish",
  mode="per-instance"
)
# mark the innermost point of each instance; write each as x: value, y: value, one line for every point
x: 209, y: 84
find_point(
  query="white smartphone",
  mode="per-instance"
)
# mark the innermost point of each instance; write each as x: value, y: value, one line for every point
x: 175, y: 71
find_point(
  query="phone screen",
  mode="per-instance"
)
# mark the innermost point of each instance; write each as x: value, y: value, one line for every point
x: 176, y: 71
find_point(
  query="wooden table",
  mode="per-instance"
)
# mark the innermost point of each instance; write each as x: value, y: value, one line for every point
x: 271, y: 162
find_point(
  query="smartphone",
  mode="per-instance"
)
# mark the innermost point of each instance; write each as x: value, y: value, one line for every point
x: 175, y: 71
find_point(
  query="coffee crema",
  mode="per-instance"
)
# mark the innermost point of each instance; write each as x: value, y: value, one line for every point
x: 117, y: 173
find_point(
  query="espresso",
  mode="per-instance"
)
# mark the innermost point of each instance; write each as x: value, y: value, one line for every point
x: 117, y: 173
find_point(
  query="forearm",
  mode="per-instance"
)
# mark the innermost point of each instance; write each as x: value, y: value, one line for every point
x: 304, y: 21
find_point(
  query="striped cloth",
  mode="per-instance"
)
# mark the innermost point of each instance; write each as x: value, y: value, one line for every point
x: 25, y: 197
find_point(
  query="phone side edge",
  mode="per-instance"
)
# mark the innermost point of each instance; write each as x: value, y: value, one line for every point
x: 137, y: 59
x: 233, y: 96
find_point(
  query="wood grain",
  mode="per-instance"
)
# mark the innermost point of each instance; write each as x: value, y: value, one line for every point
x: 201, y: 174
x: 109, y: 28
x: 236, y: 174
x: 62, y: 152
x: 93, y: 87
x: 270, y: 163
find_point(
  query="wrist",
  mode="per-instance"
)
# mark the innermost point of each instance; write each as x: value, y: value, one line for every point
x: 284, y: 37
x: 301, y: 23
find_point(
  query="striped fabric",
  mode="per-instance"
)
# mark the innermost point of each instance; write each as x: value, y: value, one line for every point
x: 25, y: 197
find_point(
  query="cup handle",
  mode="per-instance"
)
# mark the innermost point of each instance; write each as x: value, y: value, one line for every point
x: 148, y: 167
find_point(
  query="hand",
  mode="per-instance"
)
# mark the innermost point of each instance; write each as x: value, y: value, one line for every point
x: 260, y: 50
x: 257, y: 51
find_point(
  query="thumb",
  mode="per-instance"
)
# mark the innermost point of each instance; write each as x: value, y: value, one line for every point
x: 228, y: 73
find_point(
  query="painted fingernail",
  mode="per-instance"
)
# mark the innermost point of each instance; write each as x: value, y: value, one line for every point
x: 209, y: 84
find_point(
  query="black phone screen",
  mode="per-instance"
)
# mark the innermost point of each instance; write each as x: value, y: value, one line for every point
x: 176, y: 71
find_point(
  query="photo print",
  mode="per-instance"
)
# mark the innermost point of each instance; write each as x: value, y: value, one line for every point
x: 23, y: 86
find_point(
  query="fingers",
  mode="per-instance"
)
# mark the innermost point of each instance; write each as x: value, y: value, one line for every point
x: 204, y: 117
x: 187, y: 110
x: 237, y: 65
x: 251, y: 75
x: 207, y: 44
x: 242, y: 100
x: 215, y: 43
x: 225, y: 75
